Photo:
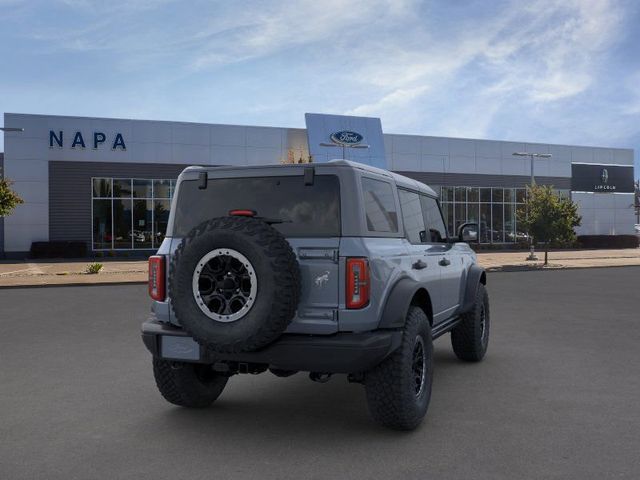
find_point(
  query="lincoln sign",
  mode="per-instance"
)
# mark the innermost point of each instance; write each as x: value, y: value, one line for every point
x: 604, y: 178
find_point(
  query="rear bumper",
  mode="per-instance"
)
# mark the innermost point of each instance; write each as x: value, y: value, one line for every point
x: 338, y: 353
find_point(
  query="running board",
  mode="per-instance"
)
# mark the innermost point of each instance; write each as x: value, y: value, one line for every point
x: 444, y: 327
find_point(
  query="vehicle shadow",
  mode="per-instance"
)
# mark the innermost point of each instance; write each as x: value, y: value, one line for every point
x: 257, y: 408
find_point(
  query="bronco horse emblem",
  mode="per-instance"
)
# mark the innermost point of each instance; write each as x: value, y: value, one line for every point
x: 322, y: 279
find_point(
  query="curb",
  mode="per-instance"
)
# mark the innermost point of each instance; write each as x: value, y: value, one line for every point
x: 526, y: 268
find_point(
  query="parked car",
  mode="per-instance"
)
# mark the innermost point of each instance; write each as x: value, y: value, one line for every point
x: 330, y: 268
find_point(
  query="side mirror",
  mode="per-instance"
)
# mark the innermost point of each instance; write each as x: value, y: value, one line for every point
x: 468, y: 232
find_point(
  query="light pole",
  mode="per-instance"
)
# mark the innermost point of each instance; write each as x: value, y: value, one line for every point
x: 532, y: 253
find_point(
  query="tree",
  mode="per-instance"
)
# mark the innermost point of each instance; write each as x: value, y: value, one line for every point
x: 8, y: 198
x: 549, y: 217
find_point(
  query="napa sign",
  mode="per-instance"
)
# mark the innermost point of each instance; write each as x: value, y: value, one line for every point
x: 95, y: 141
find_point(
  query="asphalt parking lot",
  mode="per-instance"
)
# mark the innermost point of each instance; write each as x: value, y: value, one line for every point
x: 558, y: 396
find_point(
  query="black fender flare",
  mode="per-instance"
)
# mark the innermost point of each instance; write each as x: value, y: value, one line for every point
x: 396, y: 307
x: 475, y: 276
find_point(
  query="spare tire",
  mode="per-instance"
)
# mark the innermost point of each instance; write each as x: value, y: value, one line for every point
x: 234, y: 284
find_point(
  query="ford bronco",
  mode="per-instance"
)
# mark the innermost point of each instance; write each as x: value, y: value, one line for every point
x: 324, y: 268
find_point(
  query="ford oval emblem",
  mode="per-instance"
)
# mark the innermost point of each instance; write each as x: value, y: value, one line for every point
x: 346, y: 137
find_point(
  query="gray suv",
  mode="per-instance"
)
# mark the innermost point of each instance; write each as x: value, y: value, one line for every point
x: 325, y: 268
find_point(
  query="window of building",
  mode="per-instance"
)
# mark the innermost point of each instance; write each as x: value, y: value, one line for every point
x: 412, y: 216
x: 380, y: 206
x: 130, y: 213
x: 494, y: 209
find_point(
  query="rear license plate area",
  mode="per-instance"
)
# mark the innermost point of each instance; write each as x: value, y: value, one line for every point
x: 179, y: 348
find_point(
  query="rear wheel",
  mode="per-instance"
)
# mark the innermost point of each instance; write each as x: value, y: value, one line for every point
x: 399, y: 389
x: 191, y: 385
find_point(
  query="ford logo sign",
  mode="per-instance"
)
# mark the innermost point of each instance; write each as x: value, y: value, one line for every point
x: 346, y: 137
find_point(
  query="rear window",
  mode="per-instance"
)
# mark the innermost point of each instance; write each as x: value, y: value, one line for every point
x: 305, y: 210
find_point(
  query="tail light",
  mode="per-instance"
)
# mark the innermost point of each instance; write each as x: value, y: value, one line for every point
x: 156, y: 277
x: 357, y: 282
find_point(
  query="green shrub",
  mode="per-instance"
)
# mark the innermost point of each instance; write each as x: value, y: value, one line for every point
x: 93, y: 268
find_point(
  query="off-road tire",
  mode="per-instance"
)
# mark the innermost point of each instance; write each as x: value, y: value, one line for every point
x: 469, y: 338
x: 390, y: 386
x: 191, y: 385
x: 278, y: 281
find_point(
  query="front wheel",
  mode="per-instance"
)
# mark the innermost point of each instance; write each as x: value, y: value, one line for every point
x: 399, y: 389
x: 190, y: 385
x: 470, y: 338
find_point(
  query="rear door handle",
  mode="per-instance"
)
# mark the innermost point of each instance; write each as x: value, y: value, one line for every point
x: 419, y: 265
x: 444, y: 262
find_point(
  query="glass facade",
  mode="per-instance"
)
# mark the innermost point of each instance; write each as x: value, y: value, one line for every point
x: 130, y: 213
x: 494, y: 209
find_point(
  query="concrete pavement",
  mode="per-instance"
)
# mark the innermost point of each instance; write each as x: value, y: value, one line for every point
x: 556, y: 396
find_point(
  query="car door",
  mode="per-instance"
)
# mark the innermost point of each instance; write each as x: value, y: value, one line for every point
x: 424, y: 255
x: 445, y: 255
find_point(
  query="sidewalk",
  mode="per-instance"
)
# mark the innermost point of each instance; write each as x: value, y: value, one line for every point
x: 72, y: 272
x: 512, y: 261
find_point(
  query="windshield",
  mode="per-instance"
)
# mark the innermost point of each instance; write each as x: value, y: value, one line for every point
x: 303, y: 210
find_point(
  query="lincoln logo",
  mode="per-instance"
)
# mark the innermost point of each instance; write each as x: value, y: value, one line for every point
x: 604, y: 175
x: 346, y: 137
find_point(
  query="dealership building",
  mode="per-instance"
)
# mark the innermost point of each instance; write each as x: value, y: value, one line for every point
x: 109, y: 182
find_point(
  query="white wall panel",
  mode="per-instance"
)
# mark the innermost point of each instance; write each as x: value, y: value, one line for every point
x: 559, y: 168
x: 489, y: 166
x: 190, y: 133
x: 151, y: 132
x: 582, y: 154
x: 602, y: 155
x: 541, y: 167
x: 623, y: 200
x: 406, y: 144
x: 460, y: 164
x: 433, y: 163
x: 265, y: 137
x: 507, y: 148
x: 18, y: 238
x: 623, y: 157
x: 513, y: 165
x: 434, y: 145
x: 560, y: 153
x: 228, y: 135
x: 32, y: 192
x: 35, y: 126
x: 191, y: 154
x: 405, y: 162
x: 462, y: 147
x: 227, y: 155
x: 30, y: 214
x: 537, y: 148
x: 488, y: 148
x: 27, y: 170
x: 263, y: 156
x: 604, y: 200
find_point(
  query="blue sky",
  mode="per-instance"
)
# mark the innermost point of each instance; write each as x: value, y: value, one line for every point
x: 551, y: 71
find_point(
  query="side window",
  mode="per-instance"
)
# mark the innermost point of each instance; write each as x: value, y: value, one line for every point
x: 412, y: 216
x: 433, y: 220
x: 380, y: 206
